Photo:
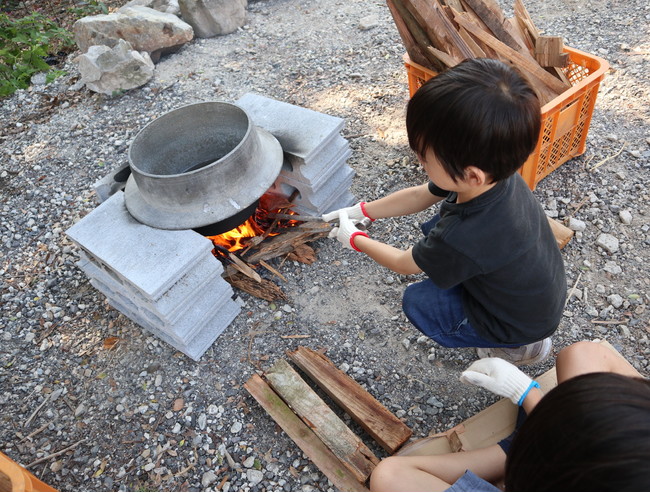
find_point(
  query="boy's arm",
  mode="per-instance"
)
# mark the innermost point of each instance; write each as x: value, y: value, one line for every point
x: 399, y: 261
x: 403, y: 202
x: 400, y: 203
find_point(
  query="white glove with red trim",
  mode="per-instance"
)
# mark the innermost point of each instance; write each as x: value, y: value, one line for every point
x: 500, y: 377
x: 346, y: 231
x: 355, y: 213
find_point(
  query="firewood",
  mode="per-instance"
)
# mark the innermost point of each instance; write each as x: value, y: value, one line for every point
x: 549, y: 52
x: 562, y: 234
x: 264, y: 289
x: 283, y: 244
x: 547, y: 86
x: 418, y: 33
x: 316, y: 414
x: 303, y: 254
x: 440, y: 31
x: 303, y: 436
x: 492, y: 15
x: 412, y: 48
x: 378, y: 421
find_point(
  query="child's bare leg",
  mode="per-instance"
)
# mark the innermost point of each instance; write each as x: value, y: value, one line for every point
x: 436, y: 472
x: 590, y: 357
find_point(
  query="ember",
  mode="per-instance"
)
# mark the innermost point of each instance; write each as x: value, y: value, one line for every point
x: 258, y: 225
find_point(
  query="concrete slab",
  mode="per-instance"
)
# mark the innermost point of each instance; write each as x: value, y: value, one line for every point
x: 149, y: 258
x: 301, y: 131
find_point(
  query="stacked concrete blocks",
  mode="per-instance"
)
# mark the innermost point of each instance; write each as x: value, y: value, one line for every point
x: 168, y: 282
x: 315, y: 153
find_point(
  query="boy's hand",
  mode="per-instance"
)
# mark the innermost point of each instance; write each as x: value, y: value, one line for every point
x: 500, y: 377
x: 346, y: 231
x: 355, y: 213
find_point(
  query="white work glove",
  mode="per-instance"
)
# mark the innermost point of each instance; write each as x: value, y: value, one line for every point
x: 355, y: 213
x: 500, y: 377
x: 346, y: 231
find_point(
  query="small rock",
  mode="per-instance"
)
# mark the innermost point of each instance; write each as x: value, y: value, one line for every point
x: 615, y: 300
x: 625, y: 216
x: 607, y: 242
x: 577, y: 224
x: 249, y: 462
x: 236, y: 427
x: 368, y: 22
x: 208, y: 478
x: 254, y: 476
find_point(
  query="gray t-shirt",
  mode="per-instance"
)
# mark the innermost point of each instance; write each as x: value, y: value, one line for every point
x: 500, y: 248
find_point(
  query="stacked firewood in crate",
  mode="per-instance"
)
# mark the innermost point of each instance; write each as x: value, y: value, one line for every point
x: 441, y: 33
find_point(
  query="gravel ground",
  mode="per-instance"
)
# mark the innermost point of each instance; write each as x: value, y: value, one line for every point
x: 141, y: 416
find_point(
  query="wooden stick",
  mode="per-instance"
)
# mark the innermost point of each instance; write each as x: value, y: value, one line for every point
x: 492, y: 15
x: 244, y: 268
x: 272, y: 270
x: 322, y: 420
x: 419, y: 35
x: 600, y: 163
x: 412, y: 48
x: 56, y: 454
x: 526, y: 63
x: 329, y: 464
x: 29, y: 420
x: 367, y: 411
x: 562, y: 234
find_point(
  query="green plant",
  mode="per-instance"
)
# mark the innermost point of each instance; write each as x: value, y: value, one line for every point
x: 92, y: 7
x: 24, y: 43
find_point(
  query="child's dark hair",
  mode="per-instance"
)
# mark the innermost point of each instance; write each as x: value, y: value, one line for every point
x: 479, y: 113
x: 590, y: 433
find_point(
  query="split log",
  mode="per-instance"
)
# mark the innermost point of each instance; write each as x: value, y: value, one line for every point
x: 412, y: 48
x: 285, y: 243
x: 439, y: 29
x: 305, y: 438
x: 264, y: 289
x: 492, y: 15
x: 549, y: 52
x: 418, y: 34
x: 333, y: 432
x: 379, y: 422
x: 547, y: 86
x: 562, y: 234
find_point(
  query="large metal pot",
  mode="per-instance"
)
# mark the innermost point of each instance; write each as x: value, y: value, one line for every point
x: 198, y: 165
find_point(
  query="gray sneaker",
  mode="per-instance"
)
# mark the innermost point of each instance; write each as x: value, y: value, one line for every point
x: 530, y: 354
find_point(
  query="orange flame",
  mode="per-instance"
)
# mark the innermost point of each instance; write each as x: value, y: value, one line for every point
x: 235, y: 239
x: 256, y: 225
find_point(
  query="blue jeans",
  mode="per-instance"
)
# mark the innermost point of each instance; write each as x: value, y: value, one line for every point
x: 439, y: 314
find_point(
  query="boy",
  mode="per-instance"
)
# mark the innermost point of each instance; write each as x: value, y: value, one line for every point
x: 496, y: 278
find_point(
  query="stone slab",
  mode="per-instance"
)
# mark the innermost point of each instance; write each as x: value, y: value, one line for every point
x: 315, y: 176
x: 301, y: 131
x: 151, y: 259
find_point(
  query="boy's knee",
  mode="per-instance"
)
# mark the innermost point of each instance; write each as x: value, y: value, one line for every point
x: 579, y: 351
x: 386, y: 476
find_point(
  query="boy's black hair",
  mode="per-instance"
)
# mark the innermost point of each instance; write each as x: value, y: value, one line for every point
x: 480, y: 113
x: 590, y: 433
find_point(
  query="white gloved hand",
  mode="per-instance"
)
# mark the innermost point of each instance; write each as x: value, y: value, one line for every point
x: 356, y: 213
x: 500, y: 377
x: 346, y: 231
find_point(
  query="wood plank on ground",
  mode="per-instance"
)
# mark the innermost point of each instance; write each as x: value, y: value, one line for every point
x: 332, y: 431
x: 368, y: 412
x: 303, y: 436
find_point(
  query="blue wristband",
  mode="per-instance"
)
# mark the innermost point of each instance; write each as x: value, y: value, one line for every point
x: 532, y: 385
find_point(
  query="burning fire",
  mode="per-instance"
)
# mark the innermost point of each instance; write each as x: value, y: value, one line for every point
x: 258, y: 224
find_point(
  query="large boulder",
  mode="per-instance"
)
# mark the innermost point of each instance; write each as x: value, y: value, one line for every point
x: 114, y: 70
x: 213, y: 17
x: 146, y: 29
x: 168, y: 6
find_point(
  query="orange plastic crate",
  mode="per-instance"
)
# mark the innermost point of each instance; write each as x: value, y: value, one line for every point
x: 565, y: 119
x: 16, y: 478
